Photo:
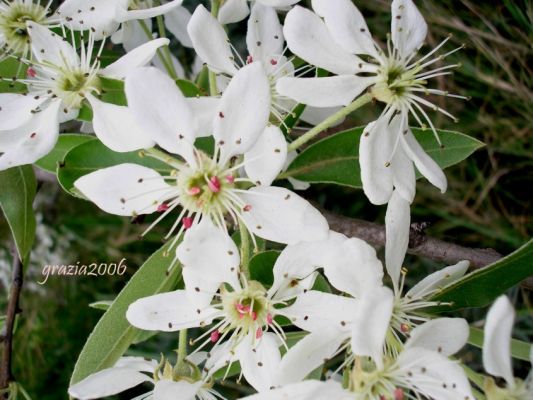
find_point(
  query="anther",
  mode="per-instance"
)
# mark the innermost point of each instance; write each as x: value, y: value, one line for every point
x: 214, y: 184
x: 187, y: 222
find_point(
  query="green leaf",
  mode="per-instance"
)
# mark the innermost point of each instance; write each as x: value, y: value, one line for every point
x: 113, y: 334
x: 261, y: 267
x: 481, y: 287
x: 93, y: 155
x: 11, y: 68
x: 16, y: 201
x: 519, y: 349
x: 335, y: 159
x: 65, y: 143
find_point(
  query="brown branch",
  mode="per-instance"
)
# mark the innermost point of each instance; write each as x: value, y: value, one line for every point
x: 6, y: 375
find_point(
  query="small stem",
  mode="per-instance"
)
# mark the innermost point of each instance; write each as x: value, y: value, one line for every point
x: 327, y: 123
x: 148, y: 33
x: 166, y: 50
x: 245, y: 250
x: 161, y: 156
x: 213, y: 90
x: 182, y: 349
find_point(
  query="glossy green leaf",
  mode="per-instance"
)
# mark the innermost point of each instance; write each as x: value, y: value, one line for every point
x: 16, y: 201
x: 519, y: 349
x: 335, y: 159
x: 261, y: 267
x: 10, y: 68
x: 93, y: 155
x: 113, y: 334
x: 479, y: 288
x: 65, y: 143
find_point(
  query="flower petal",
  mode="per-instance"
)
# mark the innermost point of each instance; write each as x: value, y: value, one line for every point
x: 204, y: 109
x: 346, y: 25
x: 371, y: 323
x: 278, y: 3
x: 233, y: 11
x: 264, y: 37
x: 176, y: 21
x: 259, y: 360
x: 437, y: 280
x: 203, y: 297
x: 131, y: 34
x: 307, y: 390
x: 443, y: 335
x: 135, y: 58
x: 97, y: 15
x: 397, y: 227
x: 125, y: 189
x: 169, y: 390
x: 116, y: 127
x: 403, y: 175
x: 123, y: 14
x: 32, y: 140
x: 161, y: 109
x: 210, y: 41
x: 408, y: 27
x: 497, y: 341
x: 243, y: 111
x: 49, y: 46
x: 324, y: 92
x: 308, y: 38
x: 279, y: 215
x: 16, y: 109
x: 167, y: 312
x: 375, y: 148
x: 265, y: 160
x: 137, y: 363
x: 107, y: 382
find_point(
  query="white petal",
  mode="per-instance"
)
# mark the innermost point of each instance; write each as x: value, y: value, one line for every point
x: 371, y: 323
x: 497, y: 341
x: 324, y: 92
x: 99, y: 15
x: 316, y: 115
x: 403, y: 175
x: 137, y: 363
x: 316, y: 311
x: 204, y: 109
x: 210, y: 41
x: 116, y: 127
x: 16, y: 109
x: 279, y: 215
x: 397, y: 227
x: 49, y: 46
x: 233, y: 11
x: 167, y: 312
x: 265, y: 160
x: 259, y: 360
x: 438, y: 280
x: 132, y: 35
x: 107, y: 382
x: 375, y: 149
x: 408, y: 27
x: 193, y: 280
x: 135, y: 58
x: 124, y: 15
x: 278, y: 3
x: 307, y: 390
x: 423, y: 162
x: 307, y: 355
x: 169, y: 390
x: 176, y: 22
x: 243, y: 111
x: 210, y: 252
x: 346, y: 25
x: 264, y: 37
x: 308, y: 38
x: 180, y: 72
x: 161, y: 109
x: 443, y: 335
x: 125, y: 189
x: 31, y: 141
x: 434, y: 375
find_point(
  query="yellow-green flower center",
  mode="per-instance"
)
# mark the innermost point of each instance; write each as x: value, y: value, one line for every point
x: 13, y: 25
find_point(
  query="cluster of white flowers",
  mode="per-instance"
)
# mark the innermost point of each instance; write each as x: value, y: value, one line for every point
x: 381, y: 339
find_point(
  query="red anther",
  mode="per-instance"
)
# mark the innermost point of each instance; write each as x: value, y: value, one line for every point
x: 274, y: 62
x: 398, y: 394
x: 405, y: 328
x: 193, y: 191
x: 249, y: 60
x: 214, y: 184
x: 253, y: 314
x: 162, y: 207
x: 187, y: 222
x: 215, y: 335
x: 269, y: 319
x: 259, y: 333
x: 30, y: 72
x: 247, y: 207
x: 230, y: 179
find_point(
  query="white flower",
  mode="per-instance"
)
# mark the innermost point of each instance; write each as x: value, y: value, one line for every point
x: 237, y: 10
x: 497, y: 357
x: 218, y: 296
x: 203, y: 186
x: 103, y: 17
x: 129, y: 372
x: 14, y: 36
x: 58, y: 81
x: 388, y: 148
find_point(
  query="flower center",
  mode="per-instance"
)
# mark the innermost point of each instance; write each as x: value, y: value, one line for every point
x: 371, y: 383
x: 72, y: 85
x: 13, y: 25
x: 393, y: 81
